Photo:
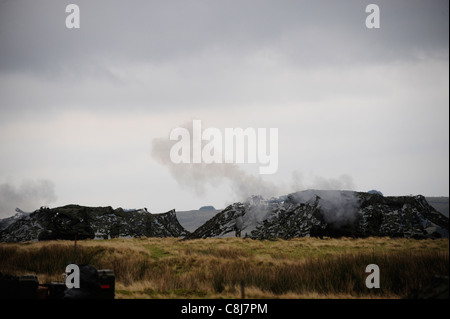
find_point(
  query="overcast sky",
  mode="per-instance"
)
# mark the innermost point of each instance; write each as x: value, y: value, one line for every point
x: 356, y: 108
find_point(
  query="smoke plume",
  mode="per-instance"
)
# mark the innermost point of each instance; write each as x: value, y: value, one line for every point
x: 338, y: 207
x: 29, y: 196
x: 200, y: 176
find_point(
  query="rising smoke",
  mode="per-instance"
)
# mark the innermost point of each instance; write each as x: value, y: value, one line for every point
x: 338, y: 207
x: 199, y: 176
x: 29, y: 196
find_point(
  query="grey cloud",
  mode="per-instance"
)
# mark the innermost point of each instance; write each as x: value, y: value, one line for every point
x: 34, y: 37
x: 338, y: 207
x: 29, y: 196
x: 176, y: 55
x: 199, y: 177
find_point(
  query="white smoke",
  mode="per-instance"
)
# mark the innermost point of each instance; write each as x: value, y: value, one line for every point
x: 29, y: 196
x: 338, y: 207
x: 200, y: 176
x: 257, y: 211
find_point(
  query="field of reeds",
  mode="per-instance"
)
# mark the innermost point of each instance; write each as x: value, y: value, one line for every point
x: 237, y: 267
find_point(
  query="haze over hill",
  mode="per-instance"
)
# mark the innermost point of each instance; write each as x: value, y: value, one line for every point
x: 441, y: 204
x: 305, y: 213
x: 327, y: 213
x: 193, y: 219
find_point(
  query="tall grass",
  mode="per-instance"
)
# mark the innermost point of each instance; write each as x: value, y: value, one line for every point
x: 400, y: 274
x: 49, y: 259
x: 154, y: 268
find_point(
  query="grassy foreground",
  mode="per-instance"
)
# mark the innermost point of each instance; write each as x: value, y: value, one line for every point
x: 230, y: 267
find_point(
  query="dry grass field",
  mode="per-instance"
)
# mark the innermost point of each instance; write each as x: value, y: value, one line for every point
x: 230, y: 267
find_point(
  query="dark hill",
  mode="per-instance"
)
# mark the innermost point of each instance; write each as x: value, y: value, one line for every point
x: 69, y: 221
x: 327, y: 213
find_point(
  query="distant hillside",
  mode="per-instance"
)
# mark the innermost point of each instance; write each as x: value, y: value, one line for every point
x: 327, y: 213
x: 193, y: 219
x: 301, y: 214
x: 439, y: 203
x: 69, y: 221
